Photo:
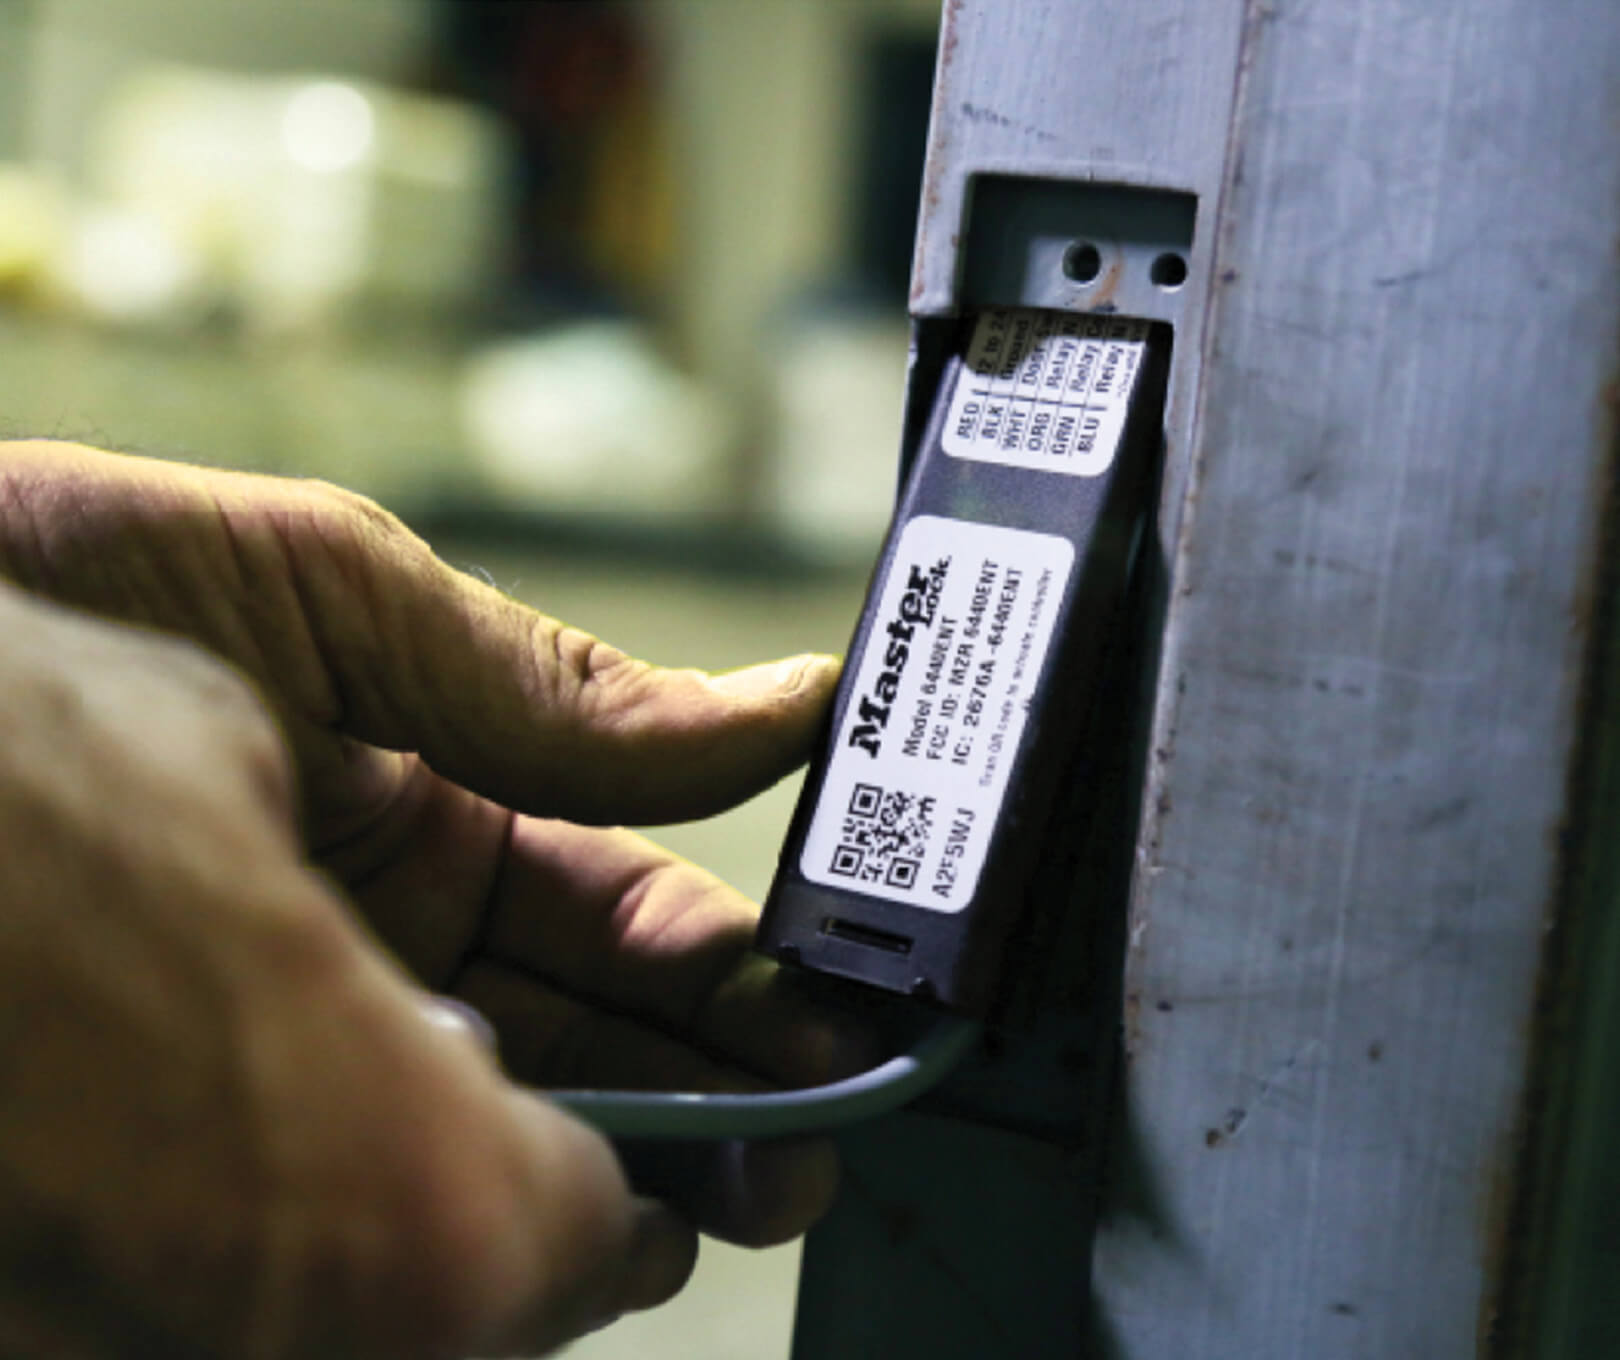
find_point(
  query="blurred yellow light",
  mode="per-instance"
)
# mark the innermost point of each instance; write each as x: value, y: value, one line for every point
x: 328, y: 127
x: 124, y: 265
x: 30, y: 222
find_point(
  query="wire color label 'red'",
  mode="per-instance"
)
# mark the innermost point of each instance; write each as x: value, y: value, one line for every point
x: 919, y: 765
x: 1045, y: 390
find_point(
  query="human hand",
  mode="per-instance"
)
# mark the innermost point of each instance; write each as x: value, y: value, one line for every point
x: 601, y: 959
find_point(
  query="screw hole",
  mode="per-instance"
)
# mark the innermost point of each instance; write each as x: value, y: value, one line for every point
x: 1082, y: 262
x: 1169, y: 271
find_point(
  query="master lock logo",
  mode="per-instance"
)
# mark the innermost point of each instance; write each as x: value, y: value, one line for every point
x: 917, y: 608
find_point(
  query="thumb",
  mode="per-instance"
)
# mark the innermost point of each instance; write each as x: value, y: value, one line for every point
x: 531, y: 712
x: 428, y: 1206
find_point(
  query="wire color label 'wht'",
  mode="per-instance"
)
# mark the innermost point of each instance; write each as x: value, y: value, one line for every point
x: 919, y: 766
x: 1045, y: 390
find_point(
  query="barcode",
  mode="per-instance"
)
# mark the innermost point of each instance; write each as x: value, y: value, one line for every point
x: 884, y: 836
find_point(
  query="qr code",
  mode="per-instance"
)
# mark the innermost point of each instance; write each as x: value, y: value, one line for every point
x: 885, y: 836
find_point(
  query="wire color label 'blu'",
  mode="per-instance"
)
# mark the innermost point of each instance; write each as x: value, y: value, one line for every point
x: 919, y: 766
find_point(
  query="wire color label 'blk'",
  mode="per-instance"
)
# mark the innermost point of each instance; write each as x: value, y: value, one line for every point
x: 919, y: 768
x: 1045, y: 390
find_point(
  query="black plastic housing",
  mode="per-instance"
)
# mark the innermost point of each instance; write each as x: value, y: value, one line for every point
x: 953, y: 958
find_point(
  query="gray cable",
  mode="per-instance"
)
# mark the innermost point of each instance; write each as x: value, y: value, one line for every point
x: 776, y: 1114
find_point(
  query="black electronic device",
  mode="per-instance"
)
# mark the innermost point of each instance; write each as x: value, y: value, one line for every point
x: 975, y: 659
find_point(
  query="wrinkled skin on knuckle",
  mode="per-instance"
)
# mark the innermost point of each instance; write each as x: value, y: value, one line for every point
x: 358, y: 517
x: 365, y: 581
x: 329, y: 540
x: 578, y: 672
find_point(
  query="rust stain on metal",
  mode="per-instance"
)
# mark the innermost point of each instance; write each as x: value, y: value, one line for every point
x: 1132, y: 1027
x: 1099, y: 295
x: 1499, y: 1238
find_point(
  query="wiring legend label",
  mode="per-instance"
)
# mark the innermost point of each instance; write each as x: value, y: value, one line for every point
x: 919, y: 765
x: 1045, y: 390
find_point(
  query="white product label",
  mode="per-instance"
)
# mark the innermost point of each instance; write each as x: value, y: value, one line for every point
x: 920, y: 762
x: 1045, y: 390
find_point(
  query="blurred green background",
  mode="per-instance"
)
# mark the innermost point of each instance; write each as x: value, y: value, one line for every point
x: 606, y: 299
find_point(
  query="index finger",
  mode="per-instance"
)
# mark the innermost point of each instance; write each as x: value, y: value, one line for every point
x: 520, y: 707
x: 349, y: 620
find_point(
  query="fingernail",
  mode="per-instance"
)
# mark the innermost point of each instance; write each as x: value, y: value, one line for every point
x: 451, y: 1013
x: 772, y: 678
